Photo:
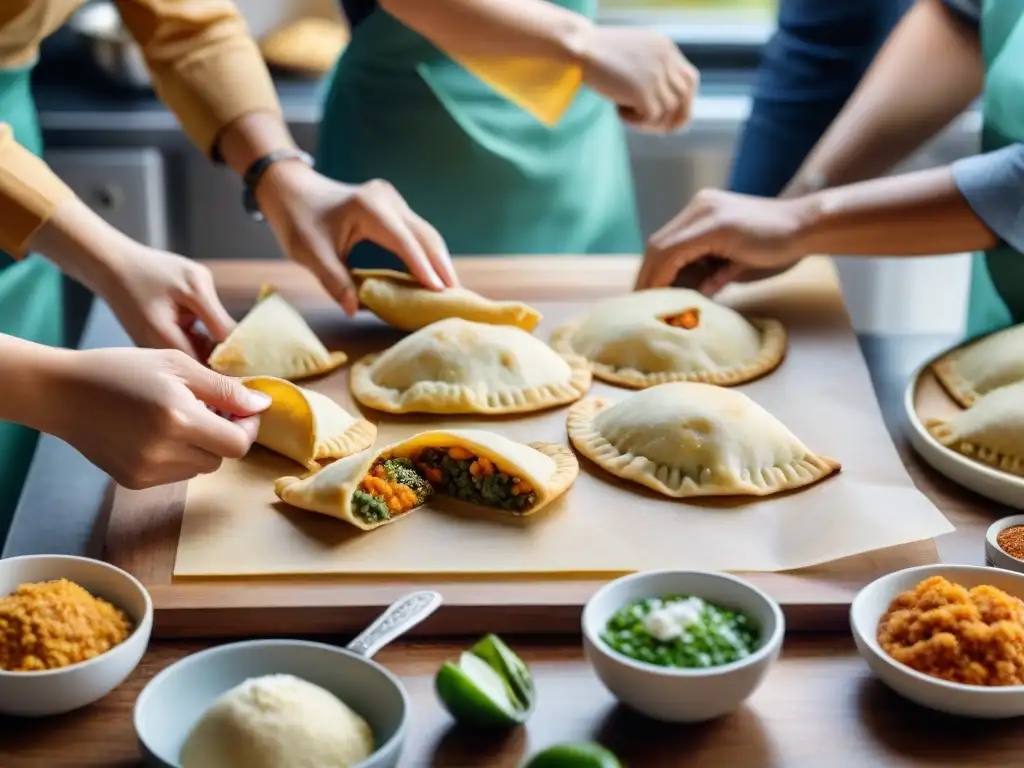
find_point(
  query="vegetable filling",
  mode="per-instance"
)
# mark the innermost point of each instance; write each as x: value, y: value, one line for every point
x: 391, y: 487
x: 457, y: 472
x: 688, y: 319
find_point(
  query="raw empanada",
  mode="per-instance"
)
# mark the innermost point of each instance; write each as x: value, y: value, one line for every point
x: 991, y: 431
x: 973, y: 370
x: 672, y: 334
x: 274, y: 340
x: 685, y: 439
x: 400, y: 301
x: 306, y: 426
x: 456, y: 366
x: 480, y: 468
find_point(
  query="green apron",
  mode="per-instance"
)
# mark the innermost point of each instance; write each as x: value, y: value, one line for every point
x: 488, y: 175
x: 31, y: 297
x: 997, y: 278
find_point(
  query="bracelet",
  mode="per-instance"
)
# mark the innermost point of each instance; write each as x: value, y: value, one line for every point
x: 259, y: 167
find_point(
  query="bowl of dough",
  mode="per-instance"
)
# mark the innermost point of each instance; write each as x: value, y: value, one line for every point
x: 268, y: 703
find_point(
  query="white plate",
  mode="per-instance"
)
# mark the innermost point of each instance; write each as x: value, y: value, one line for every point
x: 991, y: 483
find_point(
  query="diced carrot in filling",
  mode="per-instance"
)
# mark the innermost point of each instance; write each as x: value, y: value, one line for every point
x: 391, y: 487
x: 688, y: 319
x: 457, y: 472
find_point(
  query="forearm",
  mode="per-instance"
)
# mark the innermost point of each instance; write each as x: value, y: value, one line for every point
x: 927, y: 73
x: 497, y: 28
x: 914, y: 214
x: 29, y: 371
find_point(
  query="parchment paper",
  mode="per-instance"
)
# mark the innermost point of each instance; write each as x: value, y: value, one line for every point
x: 234, y: 525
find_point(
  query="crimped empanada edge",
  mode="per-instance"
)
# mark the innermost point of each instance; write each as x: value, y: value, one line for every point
x: 947, y: 437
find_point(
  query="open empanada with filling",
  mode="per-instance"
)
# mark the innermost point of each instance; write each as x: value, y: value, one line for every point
x: 457, y: 366
x: 991, y: 431
x: 306, y: 426
x: 480, y: 468
x: 400, y: 301
x: 660, y: 335
x: 971, y: 371
x: 274, y: 340
x: 686, y: 439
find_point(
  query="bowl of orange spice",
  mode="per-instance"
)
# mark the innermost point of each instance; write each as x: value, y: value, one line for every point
x: 71, y: 630
x: 1004, y: 543
x: 948, y: 637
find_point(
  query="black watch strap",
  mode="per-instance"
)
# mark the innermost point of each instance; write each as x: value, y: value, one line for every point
x: 258, y: 168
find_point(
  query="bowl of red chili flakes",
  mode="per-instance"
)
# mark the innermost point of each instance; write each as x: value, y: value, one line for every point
x: 1004, y: 544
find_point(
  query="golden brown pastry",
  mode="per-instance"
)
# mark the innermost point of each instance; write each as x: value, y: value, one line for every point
x: 274, y: 340
x: 310, y: 45
x: 661, y: 335
x: 686, y: 439
x: 969, y: 372
x: 457, y: 366
x: 991, y: 431
x: 400, y: 301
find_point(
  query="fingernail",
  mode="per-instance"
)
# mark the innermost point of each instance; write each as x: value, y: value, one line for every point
x: 256, y: 401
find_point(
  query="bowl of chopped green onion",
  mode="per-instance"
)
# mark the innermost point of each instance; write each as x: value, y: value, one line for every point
x: 682, y: 646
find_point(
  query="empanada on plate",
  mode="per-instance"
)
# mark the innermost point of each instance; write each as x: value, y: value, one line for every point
x: 971, y: 371
x: 274, y: 340
x: 480, y: 468
x: 400, y: 301
x: 686, y: 439
x: 306, y: 426
x: 457, y: 366
x: 991, y: 431
x: 651, y: 337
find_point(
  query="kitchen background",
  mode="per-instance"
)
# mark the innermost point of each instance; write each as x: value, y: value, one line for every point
x: 123, y: 153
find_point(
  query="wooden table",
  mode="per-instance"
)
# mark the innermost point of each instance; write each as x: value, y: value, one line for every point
x: 818, y: 707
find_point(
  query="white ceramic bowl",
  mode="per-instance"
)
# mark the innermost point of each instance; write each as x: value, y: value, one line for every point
x: 994, y: 554
x: 953, y: 698
x: 52, y: 692
x: 682, y: 695
x: 173, y: 701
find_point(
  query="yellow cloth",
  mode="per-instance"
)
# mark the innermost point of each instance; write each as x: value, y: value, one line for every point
x: 203, y: 63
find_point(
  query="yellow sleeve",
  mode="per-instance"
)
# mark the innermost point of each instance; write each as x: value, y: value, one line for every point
x: 29, y: 194
x: 204, y: 64
x: 543, y: 88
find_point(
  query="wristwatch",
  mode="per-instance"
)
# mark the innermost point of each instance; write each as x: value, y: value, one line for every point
x: 258, y: 168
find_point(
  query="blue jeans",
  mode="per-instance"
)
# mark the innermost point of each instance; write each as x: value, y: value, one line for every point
x: 810, y: 67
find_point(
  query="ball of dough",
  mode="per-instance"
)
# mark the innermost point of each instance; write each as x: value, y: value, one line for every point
x: 277, y: 721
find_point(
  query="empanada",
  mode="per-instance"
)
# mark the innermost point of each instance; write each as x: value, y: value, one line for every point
x: 400, y: 301
x: 274, y: 340
x: 306, y: 426
x: 457, y: 366
x: 480, y: 468
x: 309, y: 44
x: 973, y: 370
x: 660, y: 335
x: 991, y: 431
x: 686, y: 439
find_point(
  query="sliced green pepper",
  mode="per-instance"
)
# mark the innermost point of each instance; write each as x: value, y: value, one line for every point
x: 489, y: 686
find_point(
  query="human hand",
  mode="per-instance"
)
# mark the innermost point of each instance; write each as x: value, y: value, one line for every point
x: 318, y: 221
x: 644, y: 73
x: 144, y: 416
x: 723, y: 235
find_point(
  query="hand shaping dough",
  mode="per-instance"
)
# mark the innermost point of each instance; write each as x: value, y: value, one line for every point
x: 480, y: 468
x: 672, y: 334
x: 971, y: 371
x: 456, y: 366
x: 685, y: 439
x: 991, y: 431
x: 274, y: 340
x: 400, y: 301
x: 306, y: 426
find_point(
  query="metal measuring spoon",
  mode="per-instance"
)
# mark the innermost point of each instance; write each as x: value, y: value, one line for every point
x: 401, y: 616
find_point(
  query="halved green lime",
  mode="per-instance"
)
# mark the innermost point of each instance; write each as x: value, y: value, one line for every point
x: 489, y: 686
x: 578, y: 754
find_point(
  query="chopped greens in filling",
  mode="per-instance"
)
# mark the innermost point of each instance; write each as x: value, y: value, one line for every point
x: 475, y: 479
x: 391, y: 487
x: 688, y: 319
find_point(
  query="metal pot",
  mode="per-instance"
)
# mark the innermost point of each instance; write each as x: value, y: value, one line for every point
x: 115, y: 52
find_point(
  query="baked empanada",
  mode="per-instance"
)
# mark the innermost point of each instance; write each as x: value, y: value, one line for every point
x: 974, y: 370
x: 672, y: 334
x: 686, y: 439
x: 306, y: 426
x: 274, y: 340
x: 309, y: 44
x: 457, y: 366
x: 479, y: 468
x: 991, y: 431
x: 400, y: 301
